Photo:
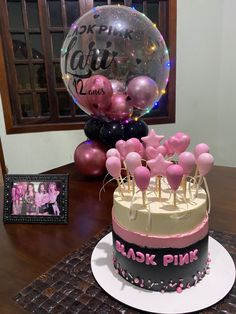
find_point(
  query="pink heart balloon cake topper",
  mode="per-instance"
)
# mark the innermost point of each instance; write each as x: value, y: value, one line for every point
x: 133, y: 145
x: 179, y: 142
x: 152, y: 152
x: 121, y: 147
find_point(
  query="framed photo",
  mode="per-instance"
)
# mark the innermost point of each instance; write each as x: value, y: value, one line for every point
x: 36, y: 199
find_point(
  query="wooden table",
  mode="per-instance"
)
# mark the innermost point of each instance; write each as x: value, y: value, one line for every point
x: 29, y: 250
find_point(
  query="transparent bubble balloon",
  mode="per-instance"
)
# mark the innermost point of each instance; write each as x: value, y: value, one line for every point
x: 115, y: 63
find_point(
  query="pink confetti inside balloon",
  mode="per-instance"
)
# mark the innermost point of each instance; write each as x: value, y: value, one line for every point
x: 113, y: 152
x: 205, y: 163
x: 142, y: 177
x: 200, y: 149
x: 132, y: 161
x: 174, y: 175
x: 113, y: 166
x: 133, y: 145
x: 179, y: 143
x: 187, y: 162
x: 121, y: 147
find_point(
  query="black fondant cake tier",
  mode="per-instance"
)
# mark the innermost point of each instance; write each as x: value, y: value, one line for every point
x: 165, y: 269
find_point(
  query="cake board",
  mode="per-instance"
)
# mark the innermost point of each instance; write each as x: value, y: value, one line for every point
x: 207, y: 292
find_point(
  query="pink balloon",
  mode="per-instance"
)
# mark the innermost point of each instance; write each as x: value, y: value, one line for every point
x: 121, y: 147
x: 205, y: 162
x: 142, y: 91
x: 187, y: 162
x: 90, y: 158
x: 141, y: 151
x: 174, y: 175
x: 119, y: 109
x: 179, y: 134
x: 113, y: 152
x: 169, y: 149
x: 142, y: 177
x: 179, y: 143
x: 113, y: 166
x: 132, y: 161
x: 99, y: 92
x: 133, y: 145
x: 200, y: 148
x: 161, y: 150
x: 117, y: 86
x: 152, y: 152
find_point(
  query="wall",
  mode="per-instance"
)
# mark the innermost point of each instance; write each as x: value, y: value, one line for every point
x: 205, y: 93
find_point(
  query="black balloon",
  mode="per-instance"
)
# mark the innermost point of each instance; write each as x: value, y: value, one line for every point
x: 136, y: 129
x: 92, y: 128
x: 111, y: 132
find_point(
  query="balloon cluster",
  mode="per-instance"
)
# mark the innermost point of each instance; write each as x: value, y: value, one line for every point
x: 115, y: 63
x: 151, y: 159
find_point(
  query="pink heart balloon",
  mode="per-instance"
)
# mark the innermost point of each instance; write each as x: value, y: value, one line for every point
x: 142, y: 177
x: 121, y: 147
x: 205, y: 162
x: 179, y: 143
x: 151, y: 152
x: 161, y: 150
x: 132, y: 161
x: 133, y: 145
x: 174, y: 175
x: 113, y: 152
x: 187, y: 162
x: 169, y: 150
x: 141, y: 150
x: 113, y: 166
x: 200, y: 149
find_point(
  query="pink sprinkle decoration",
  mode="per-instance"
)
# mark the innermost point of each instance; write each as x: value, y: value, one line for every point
x: 179, y: 289
x: 181, y: 285
x: 136, y: 280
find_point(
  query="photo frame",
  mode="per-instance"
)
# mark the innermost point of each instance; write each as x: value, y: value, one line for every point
x: 36, y: 199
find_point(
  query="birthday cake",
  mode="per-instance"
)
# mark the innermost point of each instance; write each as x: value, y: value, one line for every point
x: 160, y: 214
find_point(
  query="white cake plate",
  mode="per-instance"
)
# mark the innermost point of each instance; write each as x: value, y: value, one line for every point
x: 207, y: 292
